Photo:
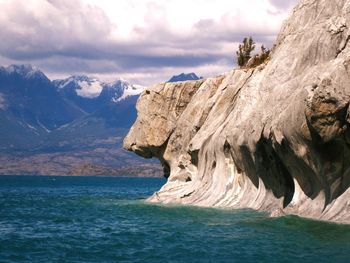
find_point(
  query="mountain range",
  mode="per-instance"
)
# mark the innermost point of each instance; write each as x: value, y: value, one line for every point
x: 59, y: 126
x: 184, y: 77
x: 34, y: 110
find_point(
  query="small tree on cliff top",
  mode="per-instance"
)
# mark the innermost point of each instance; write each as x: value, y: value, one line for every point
x: 244, y: 52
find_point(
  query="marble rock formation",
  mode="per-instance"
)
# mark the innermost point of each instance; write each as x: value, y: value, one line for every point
x: 274, y: 138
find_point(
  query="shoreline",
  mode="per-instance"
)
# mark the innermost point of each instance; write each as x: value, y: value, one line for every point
x: 51, y: 175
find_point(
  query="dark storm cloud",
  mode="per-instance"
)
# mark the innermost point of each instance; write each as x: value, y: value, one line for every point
x: 49, y: 27
x: 125, y: 63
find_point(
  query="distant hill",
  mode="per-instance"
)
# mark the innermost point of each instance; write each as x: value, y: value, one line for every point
x: 184, y: 77
x: 54, y: 127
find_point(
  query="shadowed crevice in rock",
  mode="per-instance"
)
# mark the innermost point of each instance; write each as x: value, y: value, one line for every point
x: 272, y: 171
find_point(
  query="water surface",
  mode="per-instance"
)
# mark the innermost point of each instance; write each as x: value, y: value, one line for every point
x: 105, y: 219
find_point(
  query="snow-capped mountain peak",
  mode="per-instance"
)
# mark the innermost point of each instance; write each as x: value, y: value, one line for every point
x: 89, y: 89
x: 84, y: 86
x: 27, y: 71
x: 127, y: 90
x: 21, y: 69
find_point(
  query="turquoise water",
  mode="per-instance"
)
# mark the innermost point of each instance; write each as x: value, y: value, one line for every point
x: 104, y: 219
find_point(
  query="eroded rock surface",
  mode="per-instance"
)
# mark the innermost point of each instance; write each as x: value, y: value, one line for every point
x: 275, y: 138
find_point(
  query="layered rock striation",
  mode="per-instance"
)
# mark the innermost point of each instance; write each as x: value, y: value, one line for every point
x: 274, y: 138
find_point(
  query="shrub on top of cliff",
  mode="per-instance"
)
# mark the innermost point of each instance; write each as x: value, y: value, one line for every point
x: 260, y: 58
x: 244, y: 57
x: 244, y: 52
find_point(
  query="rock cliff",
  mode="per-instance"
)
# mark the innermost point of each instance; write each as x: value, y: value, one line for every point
x: 274, y: 138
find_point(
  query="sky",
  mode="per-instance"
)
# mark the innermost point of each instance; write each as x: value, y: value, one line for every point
x: 143, y: 41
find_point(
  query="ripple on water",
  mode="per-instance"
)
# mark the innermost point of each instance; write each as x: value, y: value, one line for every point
x: 102, y: 219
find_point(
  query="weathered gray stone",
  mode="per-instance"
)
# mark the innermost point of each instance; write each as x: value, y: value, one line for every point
x: 274, y: 138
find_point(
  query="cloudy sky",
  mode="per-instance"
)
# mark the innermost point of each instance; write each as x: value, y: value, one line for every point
x: 144, y: 41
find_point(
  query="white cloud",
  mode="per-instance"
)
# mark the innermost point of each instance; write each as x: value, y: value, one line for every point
x: 180, y: 15
x: 141, y: 38
x: 89, y: 89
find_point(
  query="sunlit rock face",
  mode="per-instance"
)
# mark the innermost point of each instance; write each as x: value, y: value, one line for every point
x: 275, y: 138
